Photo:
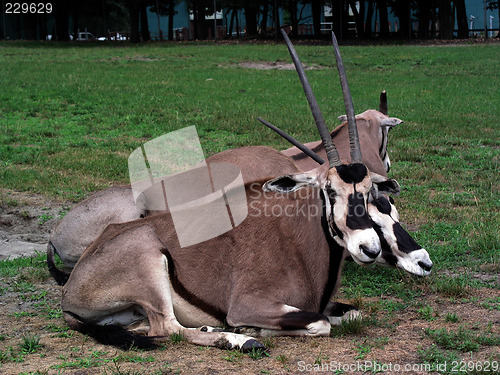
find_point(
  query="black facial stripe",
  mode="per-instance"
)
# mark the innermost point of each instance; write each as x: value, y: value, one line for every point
x: 332, y: 196
x: 382, y: 205
x: 336, y: 259
x: 406, y: 243
x: 383, y: 146
x: 336, y: 228
x: 357, y: 217
x: 387, y: 253
x: 352, y: 173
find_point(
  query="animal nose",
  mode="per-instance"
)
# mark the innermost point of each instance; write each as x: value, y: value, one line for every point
x: 425, y: 266
x: 369, y: 252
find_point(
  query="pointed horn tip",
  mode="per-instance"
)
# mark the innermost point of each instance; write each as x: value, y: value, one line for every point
x: 285, y: 30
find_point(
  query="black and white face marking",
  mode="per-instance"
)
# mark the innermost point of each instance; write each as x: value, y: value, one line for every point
x: 345, y: 189
x: 399, y: 249
x: 346, y: 196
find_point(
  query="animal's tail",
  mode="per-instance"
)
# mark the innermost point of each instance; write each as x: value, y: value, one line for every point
x: 110, y: 334
x: 59, y: 276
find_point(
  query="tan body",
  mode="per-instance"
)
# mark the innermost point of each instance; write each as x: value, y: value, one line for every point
x: 137, y: 270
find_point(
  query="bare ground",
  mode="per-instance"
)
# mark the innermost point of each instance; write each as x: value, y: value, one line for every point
x: 392, y: 337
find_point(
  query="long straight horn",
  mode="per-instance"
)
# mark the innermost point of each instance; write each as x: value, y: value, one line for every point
x: 382, y: 107
x: 331, y: 151
x: 349, y: 107
x: 306, y: 150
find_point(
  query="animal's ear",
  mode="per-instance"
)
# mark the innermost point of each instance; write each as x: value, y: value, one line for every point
x: 293, y: 182
x: 383, y: 185
x: 390, y: 122
x: 342, y: 118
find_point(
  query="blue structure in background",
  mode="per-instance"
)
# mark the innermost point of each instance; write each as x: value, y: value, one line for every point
x: 181, y: 21
x: 475, y: 15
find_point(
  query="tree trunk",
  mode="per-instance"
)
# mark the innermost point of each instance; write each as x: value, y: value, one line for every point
x: 199, y: 19
x: 76, y: 23
x: 144, y: 22
x: 404, y: 15
x: 445, y: 30
x: 61, y: 18
x: 463, y: 28
x: 171, y: 13
x: 292, y: 9
x: 368, y: 23
x: 384, y: 18
x: 316, y: 15
x: 30, y: 26
x: 265, y: 12
x: 133, y: 8
x: 237, y: 25
x: 423, y: 20
x: 337, y: 18
x: 231, y: 23
x: 251, y: 19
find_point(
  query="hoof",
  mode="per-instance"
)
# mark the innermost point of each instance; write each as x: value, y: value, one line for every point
x: 252, y: 344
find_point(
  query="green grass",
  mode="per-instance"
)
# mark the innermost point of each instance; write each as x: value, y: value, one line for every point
x: 71, y: 115
x: 30, y: 344
x: 462, y: 340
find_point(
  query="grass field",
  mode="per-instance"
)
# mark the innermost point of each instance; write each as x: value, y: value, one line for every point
x: 71, y: 114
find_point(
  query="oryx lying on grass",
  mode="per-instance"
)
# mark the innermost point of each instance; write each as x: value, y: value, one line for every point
x: 273, y: 272
x: 276, y: 271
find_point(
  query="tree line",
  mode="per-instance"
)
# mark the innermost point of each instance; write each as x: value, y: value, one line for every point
x: 416, y: 18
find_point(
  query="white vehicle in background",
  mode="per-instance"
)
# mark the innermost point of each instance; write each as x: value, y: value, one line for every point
x: 83, y: 36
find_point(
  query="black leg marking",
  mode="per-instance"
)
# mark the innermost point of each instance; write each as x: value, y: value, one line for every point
x: 299, y: 320
x: 252, y: 345
x: 338, y: 309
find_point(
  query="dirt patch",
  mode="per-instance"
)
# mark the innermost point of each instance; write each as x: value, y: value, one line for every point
x: 25, y: 222
x: 276, y: 65
x: 393, y: 336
